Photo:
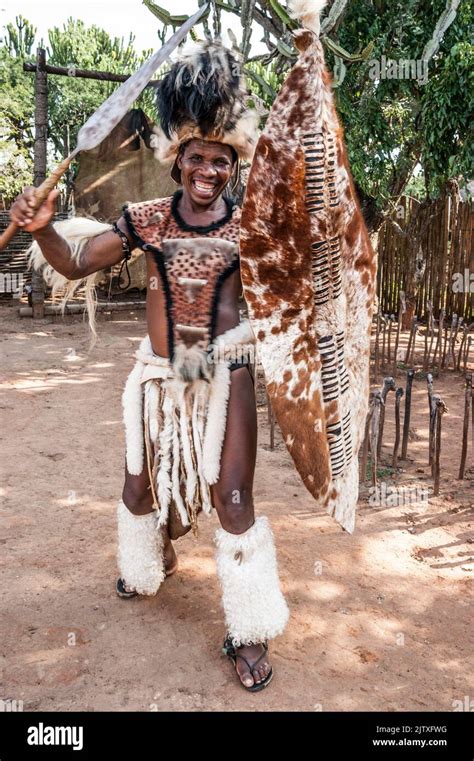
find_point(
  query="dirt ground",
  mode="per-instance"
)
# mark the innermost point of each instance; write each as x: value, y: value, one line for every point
x: 379, y: 620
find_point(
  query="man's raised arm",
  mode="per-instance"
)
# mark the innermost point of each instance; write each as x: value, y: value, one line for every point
x: 102, y: 251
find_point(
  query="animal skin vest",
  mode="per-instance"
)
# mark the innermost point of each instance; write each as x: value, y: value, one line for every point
x: 193, y: 262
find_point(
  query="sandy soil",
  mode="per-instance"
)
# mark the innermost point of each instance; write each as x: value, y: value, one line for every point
x: 379, y: 619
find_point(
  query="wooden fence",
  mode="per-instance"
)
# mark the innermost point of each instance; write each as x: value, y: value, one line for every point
x: 425, y: 250
x: 13, y: 260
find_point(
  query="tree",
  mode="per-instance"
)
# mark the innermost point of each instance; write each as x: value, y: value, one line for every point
x: 16, y: 110
x: 394, y: 124
x: 70, y: 100
x: 395, y: 127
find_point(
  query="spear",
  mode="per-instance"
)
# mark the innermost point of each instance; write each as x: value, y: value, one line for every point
x: 108, y: 115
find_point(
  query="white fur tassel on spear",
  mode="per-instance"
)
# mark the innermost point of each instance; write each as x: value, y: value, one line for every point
x: 308, y: 13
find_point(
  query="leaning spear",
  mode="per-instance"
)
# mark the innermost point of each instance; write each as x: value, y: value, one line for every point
x: 108, y: 115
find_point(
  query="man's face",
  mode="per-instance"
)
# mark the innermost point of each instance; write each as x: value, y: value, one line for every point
x: 205, y: 170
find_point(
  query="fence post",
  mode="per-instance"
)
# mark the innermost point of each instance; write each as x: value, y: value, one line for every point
x: 465, y: 432
x: 406, y: 419
x: 41, y: 137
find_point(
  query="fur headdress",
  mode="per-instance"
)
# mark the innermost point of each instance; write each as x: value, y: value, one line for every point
x: 204, y: 96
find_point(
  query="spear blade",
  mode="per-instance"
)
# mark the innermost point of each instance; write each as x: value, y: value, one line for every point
x: 108, y: 115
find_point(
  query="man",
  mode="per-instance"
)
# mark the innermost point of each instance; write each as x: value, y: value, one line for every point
x: 191, y: 426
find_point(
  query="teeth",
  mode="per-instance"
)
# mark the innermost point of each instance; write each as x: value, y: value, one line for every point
x: 203, y: 186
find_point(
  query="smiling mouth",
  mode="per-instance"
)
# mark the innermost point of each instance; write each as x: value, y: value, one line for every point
x: 204, y: 187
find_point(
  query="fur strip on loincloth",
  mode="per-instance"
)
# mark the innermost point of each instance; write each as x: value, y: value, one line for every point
x: 178, y: 427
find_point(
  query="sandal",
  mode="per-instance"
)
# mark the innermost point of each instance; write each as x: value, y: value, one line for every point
x: 121, y: 591
x: 229, y: 649
x: 120, y: 584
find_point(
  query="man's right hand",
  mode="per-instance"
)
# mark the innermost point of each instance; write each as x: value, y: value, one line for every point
x: 22, y: 212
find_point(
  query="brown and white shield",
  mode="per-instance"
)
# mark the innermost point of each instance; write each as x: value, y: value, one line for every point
x: 308, y: 273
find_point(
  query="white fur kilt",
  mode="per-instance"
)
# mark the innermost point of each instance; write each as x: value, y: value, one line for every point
x: 177, y: 426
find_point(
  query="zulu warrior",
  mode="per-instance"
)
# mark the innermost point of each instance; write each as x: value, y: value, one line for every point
x: 300, y: 251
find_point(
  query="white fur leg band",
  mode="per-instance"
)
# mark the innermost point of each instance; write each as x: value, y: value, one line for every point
x: 140, y: 551
x: 254, y: 606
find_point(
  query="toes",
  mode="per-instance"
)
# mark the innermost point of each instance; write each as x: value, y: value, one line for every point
x: 254, y: 675
x: 246, y: 678
x: 261, y: 672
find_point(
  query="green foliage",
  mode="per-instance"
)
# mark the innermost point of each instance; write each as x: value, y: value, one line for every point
x: 20, y: 37
x: 16, y: 110
x: 394, y: 124
x: 446, y: 105
x: 16, y: 168
x: 416, y: 187
x: 382, y: 472
x: 264, y: 81
x: 71, y: 100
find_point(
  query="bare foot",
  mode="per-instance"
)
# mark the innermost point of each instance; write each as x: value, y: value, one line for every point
x: 256, y: 669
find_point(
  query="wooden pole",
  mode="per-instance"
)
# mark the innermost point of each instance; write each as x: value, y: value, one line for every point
x: 454, y: 320
x: 429, y: 383
x: 406, y: 418
x: 472, y: 420
x: 425, y: 349
x: 453, y: 342
x: 467, y: 352
x: 401, y: 310
x: 72, y: 71
x: 41, y: 138
x: 398, y: 396
x: 465, y: 431
x: 412, y: 354
x: 445, y: 346
x: 383, y: 317
x: 439, y: 340
x: 391, y: 319
x: 465, y: 329
x: 272, y: 429
x: 432, y: 332
x: 365, y: 445
x: 377, y: 355
x: 440, y: 410
x: 374, y: 434
x: 388, y: 385
x: 410, y: 340
x: 271, y: 421
x: 255, y: 377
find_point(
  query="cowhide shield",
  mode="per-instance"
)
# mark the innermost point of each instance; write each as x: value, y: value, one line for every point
x: 308, y: 272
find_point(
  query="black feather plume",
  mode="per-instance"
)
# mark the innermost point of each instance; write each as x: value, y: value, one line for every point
x: 203, y: 87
